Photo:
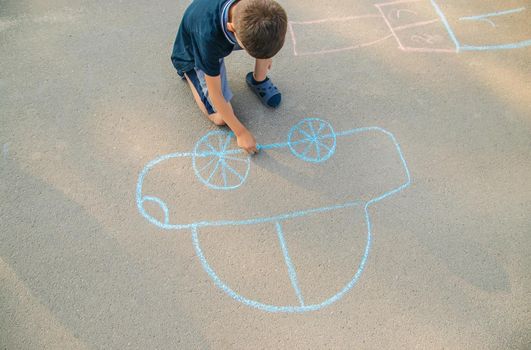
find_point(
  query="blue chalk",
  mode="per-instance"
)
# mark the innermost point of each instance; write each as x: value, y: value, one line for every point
x: 310, y: 133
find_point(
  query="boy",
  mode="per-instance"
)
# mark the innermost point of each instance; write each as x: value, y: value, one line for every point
x: 211, y: 30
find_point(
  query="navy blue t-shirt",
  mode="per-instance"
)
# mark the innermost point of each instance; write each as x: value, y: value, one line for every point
x: 203, y: 39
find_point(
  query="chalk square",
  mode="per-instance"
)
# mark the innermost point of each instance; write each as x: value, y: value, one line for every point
x: 427, y: 38
x: 416, y: 26
x: 491, y: 30
x: 399, y: 14
x: 331, y: 35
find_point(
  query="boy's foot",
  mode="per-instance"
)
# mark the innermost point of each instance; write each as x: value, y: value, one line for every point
x: 265, y: 90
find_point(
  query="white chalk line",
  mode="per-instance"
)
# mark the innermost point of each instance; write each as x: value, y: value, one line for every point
x: 336, y: 19
x: 396, y: 2
x: 417, y: 24
x: 400, y: 46
x: 346, y: 48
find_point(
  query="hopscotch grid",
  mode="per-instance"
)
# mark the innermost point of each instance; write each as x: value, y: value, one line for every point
x: 378, y: 6
x: 457, y: 44
x: 417, y: 24
x: 334, y: 19
x: 446, y: 24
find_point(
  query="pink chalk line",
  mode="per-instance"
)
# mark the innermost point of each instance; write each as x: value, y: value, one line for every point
x: 425, y: 49
x: 293, y: 41
x: 417, y: 24
x: 400, y: 46
x: 394, y: 30
x: 345, y: 48
x: 381, y: 15
x: 336, y: 19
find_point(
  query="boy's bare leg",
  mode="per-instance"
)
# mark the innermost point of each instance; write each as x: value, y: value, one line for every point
x: 214, y: 118
x: 261, y: 67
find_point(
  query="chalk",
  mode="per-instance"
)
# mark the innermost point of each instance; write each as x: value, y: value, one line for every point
x: 379, y: 7
x: 308, y: 133
x: 485, y: 17
x: 219, y: 163
x: 287, y: 308
x: 289, y: 264
x: 510, y: 46
x: 399, y: 11
x: 333, y: 19
x: 210, y: 163
x: 492, y: 14
x: 417, y: 24
x: 5, y: 150
x: 429, y: 39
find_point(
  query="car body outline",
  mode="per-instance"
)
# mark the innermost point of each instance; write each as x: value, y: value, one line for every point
x: 277, y: 220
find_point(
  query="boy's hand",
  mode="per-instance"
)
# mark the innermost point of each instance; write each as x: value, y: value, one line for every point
x: 247, y: 142
x: 244, y: 138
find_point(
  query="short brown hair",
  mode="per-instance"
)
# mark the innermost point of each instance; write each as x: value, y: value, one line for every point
x: 261, y: 26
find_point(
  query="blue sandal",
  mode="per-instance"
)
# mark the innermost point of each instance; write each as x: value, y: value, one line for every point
x: 266, y: 91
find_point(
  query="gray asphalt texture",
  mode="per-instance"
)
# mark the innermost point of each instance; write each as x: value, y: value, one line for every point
x: 88, y: 96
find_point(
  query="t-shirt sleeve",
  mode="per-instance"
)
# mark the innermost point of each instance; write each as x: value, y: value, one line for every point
x: 206, y: 57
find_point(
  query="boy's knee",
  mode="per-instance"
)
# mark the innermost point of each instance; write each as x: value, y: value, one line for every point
x: 216, y: 119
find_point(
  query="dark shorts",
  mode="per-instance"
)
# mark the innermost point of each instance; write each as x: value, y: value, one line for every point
x: 197, y: 77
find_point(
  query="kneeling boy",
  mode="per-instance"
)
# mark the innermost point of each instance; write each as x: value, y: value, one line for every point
x: 210, y: 30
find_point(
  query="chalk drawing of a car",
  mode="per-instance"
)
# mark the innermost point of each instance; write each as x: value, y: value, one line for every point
x: 225, y: 170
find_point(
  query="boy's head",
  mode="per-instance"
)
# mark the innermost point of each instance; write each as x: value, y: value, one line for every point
x: 260, y: 26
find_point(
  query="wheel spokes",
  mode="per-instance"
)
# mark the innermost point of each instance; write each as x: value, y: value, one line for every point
x: 312, y: 140
x: 213, y: 171
x: 207, y: 165
x: 229, y: 168
x: 218, y: 165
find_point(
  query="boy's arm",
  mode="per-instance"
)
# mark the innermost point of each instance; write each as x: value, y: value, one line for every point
x: 244, y: 138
